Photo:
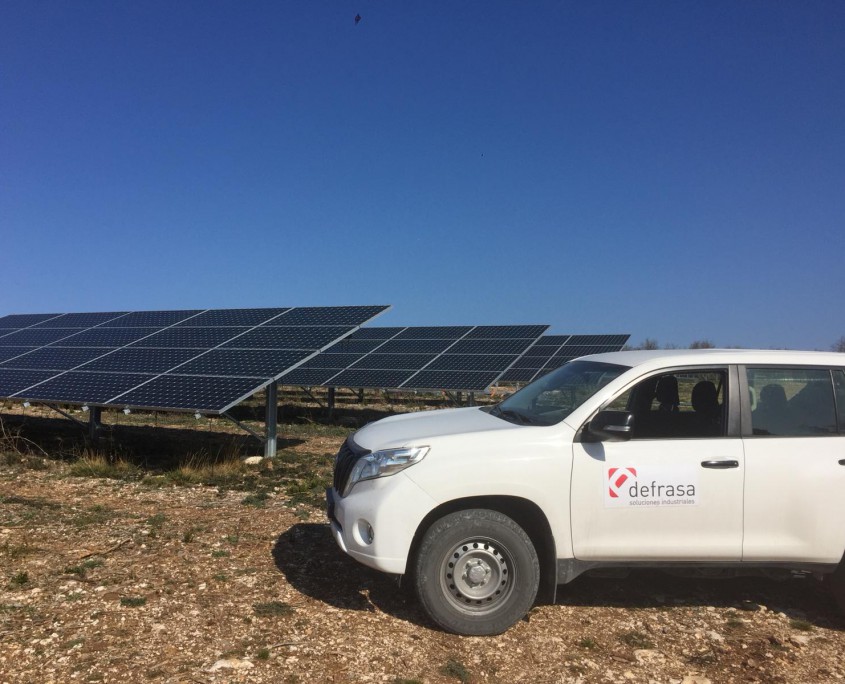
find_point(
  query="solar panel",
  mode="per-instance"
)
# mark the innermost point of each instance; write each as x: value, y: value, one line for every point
x: 552, y: 351
x: 197, y: 360
x: 459, y: 358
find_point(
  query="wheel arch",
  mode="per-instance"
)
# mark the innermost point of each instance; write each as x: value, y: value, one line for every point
x: 527, y: 514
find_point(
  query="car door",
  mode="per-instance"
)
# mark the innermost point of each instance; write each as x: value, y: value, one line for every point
x: 673, y: 492
x: 795, y: 464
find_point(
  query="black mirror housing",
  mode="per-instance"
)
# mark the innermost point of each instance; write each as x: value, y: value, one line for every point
x: 612, y: 426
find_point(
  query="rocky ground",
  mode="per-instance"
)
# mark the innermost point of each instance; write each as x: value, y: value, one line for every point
x: 154, y: 579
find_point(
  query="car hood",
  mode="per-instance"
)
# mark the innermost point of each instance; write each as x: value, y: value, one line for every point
x: 417, y: 428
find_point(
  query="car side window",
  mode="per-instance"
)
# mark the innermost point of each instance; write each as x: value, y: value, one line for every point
x: 686, y: 403
x: 791, y: 402
x: 839, y: 389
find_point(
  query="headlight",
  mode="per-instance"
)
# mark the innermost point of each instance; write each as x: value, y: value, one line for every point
x: 384, y: 463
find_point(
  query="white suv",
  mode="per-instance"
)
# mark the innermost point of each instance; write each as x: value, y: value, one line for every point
x: 733, y: 460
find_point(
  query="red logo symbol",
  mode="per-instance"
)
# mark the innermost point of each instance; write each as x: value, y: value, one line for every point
x: 616, y: 478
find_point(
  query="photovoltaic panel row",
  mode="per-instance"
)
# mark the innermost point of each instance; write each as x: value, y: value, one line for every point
x: 459, y: 358
x: 181, y: 360
x: 552, y: 351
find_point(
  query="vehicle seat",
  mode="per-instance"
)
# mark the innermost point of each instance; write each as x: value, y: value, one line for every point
x: 705, y: 403
x: 666, y: 393
x: 772, y: 411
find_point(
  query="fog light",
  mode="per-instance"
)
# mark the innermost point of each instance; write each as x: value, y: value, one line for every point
x: 365, y: 532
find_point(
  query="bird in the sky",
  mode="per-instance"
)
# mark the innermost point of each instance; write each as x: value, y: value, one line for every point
x: 357, y: 19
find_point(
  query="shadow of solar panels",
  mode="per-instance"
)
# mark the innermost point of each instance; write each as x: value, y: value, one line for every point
x: 181, y: 360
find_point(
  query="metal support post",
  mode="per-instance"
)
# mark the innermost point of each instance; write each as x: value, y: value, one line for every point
x: 360, y: 395
x: 330, y: 400
x: 94, y: 424
x: 471, y: 399
x: 270, y: 421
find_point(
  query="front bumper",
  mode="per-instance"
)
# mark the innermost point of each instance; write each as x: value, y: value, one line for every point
x: 376, y: 522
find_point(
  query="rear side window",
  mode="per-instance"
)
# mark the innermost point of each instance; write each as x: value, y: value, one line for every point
x: 839, y: 386
x: 791, y: 402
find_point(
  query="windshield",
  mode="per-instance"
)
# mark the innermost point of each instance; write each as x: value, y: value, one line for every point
x: 553, y: 397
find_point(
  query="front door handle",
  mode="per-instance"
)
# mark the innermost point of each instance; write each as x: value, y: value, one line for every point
x: 720, y: 464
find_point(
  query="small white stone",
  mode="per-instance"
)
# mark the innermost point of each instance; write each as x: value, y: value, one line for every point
x: 253, y: 460
x: 231, y: 664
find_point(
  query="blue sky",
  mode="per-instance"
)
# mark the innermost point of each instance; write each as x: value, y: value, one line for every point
x: 674, y: 170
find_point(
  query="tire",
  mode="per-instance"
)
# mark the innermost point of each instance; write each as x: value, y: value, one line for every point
x: 476, y: 572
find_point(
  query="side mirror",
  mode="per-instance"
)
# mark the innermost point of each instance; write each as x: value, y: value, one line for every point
x: 612, y: 426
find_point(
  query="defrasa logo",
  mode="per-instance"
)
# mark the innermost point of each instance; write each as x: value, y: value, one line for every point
x: 650, y: 486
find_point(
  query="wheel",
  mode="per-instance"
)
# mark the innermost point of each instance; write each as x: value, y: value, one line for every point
x: 476, y: 572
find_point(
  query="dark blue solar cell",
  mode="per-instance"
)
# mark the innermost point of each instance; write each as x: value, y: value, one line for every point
x: 31, y: 337
x: 258, y: 363
x: 438, y: 332
x: 81, y: 320
x: 141, y: 360
x: 375, y: 333
x: 609, y: 340
x: 190, y: 393
x: 330, y: 360
x: 238, y: 318
x: 415, y: 346
x: 329, y: 315
x: 366, y: 377
x: 472, y: 362
x: 356, y: 347
x: 307, y: 377
x: 410, y: 362
x: 102, y: 337
x: 13, y: 381
x: 190, y: 338
x: 507, y: 332
x: 288, y: 338
x: 555, y: 340
x: 56, y: 358
x: 534, y: 362
x: 24, y: 320
x: 83, y: 388
x: 490, y: 347
x: 7, y: 353
x: 468, y: 381
x: 518, y: 375
x: 151, y: 319
x: 570, y: 351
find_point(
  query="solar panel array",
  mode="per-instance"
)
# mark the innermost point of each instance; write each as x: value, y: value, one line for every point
x: 552, y: 351
x: 456, y: 358
x: 197, y: 360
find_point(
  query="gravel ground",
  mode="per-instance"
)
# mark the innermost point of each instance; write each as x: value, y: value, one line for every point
x: 115, y: 581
